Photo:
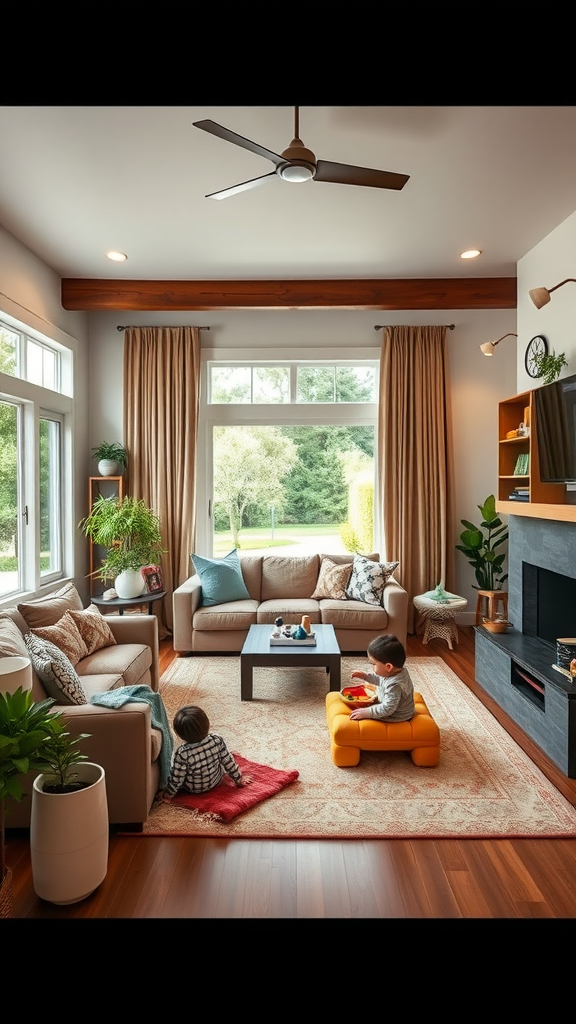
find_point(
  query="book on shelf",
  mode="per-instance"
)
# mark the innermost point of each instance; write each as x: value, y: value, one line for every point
x: 522, y: 464
x: 519, y: 496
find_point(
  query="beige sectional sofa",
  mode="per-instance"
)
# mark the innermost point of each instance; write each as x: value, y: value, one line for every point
x: 283, y: 586
x: 122, y: 739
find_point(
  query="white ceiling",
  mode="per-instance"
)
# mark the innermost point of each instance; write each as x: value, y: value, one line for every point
x: 78, y: 181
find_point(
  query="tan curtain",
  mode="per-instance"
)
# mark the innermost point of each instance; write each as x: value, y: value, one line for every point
x: 161, y: 401
x: 415, y: 444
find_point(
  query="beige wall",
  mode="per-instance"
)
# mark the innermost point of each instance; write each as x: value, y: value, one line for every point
x: 478, y: 383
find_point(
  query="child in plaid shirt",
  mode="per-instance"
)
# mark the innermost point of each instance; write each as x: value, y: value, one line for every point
x: 202, y: 760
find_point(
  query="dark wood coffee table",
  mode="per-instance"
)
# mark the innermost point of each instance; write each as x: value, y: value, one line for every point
x: 257, y: 652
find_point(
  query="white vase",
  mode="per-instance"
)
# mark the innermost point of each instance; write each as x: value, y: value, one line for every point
x: 129, y: 583
x: 69, y: 837
x: 108, y: 467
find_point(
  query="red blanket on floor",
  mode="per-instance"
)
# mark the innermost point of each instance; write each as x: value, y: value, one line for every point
x: 227, y: 799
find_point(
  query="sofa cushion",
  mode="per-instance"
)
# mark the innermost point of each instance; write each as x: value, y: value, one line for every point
x: 11, y: 639
x: 93, y: 628
x: 55, y: 670
x: 354, y: 615
x: 131, y: 661
x: 47, y: 610
x: 251, y: 566
x: 221, y: 578
x: 291, y: 609
x: 65, y: 635
x: 287, y: 576
x: 332, y: 580
x: 229, y: 615
x: 368, y: 579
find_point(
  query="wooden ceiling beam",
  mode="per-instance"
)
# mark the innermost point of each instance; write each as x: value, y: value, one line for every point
x: 390, y: 294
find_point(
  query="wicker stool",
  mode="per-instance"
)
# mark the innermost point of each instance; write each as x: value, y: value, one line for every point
x: 487, y: 605
x: 439, y: 618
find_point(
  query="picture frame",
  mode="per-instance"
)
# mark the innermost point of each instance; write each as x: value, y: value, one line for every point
x: 153, y: 579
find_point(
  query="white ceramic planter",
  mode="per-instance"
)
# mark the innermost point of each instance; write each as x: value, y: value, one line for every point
x: 69, y: 837
x: 129, y: 583
x: 107, y: 467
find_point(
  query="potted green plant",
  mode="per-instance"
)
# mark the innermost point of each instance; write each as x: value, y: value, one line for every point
x: 69, y: 822
x: 109, y: 457
x: 548, y: 365
x: 480, y: 543
x: 24, y: 732
x: 131, y: 533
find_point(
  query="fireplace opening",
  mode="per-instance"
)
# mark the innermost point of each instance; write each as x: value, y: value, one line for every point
x: 548, y: 604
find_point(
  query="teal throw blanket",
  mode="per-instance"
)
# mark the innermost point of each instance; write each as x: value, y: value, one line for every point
x: 142, y: 693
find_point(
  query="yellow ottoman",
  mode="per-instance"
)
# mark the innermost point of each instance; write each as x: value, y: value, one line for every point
x: 421, y: 735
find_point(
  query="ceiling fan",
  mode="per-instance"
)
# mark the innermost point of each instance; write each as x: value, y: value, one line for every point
x: 299, y: 164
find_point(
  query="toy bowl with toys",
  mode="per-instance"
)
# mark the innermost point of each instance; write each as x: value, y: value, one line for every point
x: 359, y: 695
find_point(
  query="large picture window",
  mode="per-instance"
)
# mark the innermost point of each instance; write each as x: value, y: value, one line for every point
x: 288, y: 456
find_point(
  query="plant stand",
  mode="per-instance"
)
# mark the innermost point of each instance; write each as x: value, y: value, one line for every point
x: 69, y: 837
x: 488, y: 603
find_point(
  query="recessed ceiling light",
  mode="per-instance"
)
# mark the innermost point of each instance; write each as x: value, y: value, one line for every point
x: 119, y: 257
x: 470, y: 254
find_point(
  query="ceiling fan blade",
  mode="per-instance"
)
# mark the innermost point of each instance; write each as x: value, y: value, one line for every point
x: 345, y: 174
x: 238, y: 140
x: 243, y: 187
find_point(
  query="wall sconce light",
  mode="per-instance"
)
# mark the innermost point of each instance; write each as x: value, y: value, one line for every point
x: 488, y: 347
x: 540, y: 296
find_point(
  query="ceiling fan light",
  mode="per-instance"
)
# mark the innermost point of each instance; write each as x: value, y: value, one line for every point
x: 487, y: 348
x: 297, y: 172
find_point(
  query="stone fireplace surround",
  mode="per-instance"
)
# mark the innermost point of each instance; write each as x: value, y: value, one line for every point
x: 515, y: 668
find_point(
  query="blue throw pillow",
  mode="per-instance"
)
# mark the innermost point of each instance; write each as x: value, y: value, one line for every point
x: 221, y: 578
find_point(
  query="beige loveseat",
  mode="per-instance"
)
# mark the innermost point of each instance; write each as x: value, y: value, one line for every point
x: 283, y: 586
x: 122, y: 739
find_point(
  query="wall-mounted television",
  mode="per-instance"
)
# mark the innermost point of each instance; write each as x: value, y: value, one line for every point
x: 555, y: 413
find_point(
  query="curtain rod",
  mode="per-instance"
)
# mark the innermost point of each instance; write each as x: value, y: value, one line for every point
x: 123, y: 327
x: 380, y: 327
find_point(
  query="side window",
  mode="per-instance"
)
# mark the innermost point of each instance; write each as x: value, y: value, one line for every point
x: 35, y: 418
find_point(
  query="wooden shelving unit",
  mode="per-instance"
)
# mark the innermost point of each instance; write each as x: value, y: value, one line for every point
x: 546, y: 501
x: 108, y: 487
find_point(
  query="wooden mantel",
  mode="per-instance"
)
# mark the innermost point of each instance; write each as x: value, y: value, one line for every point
x: 390, y: 294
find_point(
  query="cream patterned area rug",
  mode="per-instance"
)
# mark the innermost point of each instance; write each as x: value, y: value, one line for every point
x: 485, y: 786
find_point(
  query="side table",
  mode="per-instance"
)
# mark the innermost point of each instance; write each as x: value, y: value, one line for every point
x: 129, y: 602
x: 440, y: 618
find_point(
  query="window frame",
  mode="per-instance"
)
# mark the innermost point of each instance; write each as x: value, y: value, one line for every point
x: 36, y: 402
x: 276, y: 414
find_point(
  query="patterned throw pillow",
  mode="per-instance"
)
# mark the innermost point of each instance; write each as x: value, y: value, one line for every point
x: 93, y: 628
x: 332, y: 580
x: 368, y: 580
x: 65, y: 635
x: 54, y: 669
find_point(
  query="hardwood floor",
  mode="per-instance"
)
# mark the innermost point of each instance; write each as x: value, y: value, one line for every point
x: 416, y: 879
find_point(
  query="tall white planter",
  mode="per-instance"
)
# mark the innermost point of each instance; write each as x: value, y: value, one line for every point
x: 129, y: 583
x: 69, y: 837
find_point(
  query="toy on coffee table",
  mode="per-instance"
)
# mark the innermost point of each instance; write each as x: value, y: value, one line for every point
x: 300, y: 633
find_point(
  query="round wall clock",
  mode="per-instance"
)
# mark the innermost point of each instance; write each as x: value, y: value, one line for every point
x: 536, y: 347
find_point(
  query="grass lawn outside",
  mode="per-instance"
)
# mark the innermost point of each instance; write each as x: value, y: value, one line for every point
x: 291, y: 539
